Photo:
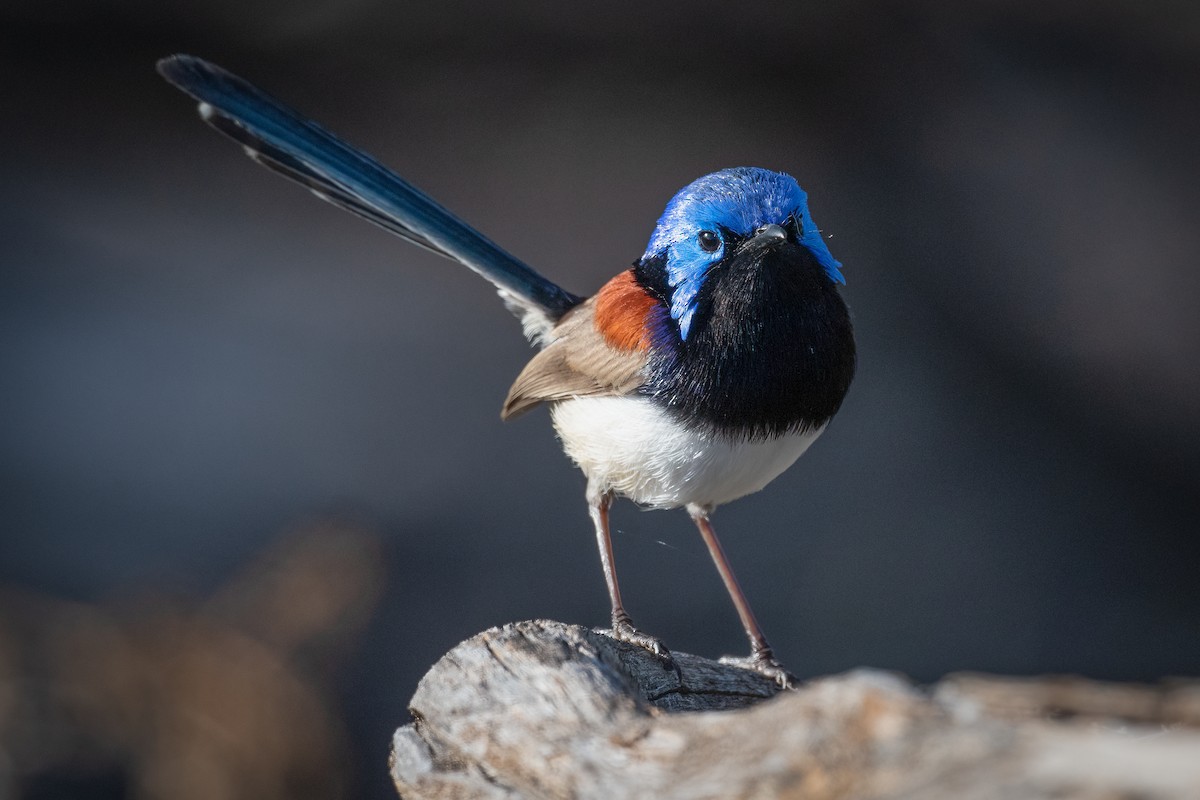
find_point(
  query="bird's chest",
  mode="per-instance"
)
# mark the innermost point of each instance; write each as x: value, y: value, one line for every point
x: 633, y: 446
x: 760, y: 366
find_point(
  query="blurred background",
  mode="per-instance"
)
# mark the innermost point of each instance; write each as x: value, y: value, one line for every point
x: 253, y: 478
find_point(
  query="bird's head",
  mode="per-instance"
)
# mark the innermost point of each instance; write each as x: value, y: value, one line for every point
x: 741, y: 218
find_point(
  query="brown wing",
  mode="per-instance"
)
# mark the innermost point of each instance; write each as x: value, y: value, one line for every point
x: 593, y: 352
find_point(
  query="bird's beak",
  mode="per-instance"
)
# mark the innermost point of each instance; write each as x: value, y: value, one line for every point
x: 766, y: 236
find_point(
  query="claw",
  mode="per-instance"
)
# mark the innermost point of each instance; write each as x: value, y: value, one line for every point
x: 624, y: 631
x: 764, y: 663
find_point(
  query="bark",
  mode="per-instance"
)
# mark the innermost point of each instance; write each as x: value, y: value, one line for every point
x: 543, y: 709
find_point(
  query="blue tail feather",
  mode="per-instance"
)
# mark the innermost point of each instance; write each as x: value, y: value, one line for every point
x: 280, y: 138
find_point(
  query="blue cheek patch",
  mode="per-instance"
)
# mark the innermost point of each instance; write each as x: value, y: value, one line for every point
x: 687, y: 265
x: 810, y: 237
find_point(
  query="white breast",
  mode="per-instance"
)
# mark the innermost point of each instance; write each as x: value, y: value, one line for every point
x: 634, y: 448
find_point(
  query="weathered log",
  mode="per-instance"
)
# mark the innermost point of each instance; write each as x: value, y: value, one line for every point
x: 546, y: 710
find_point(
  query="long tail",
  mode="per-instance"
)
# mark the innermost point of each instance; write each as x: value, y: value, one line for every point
x: 281, y: 139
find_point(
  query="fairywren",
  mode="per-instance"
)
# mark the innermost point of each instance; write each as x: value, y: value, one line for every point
x: 691, y: 379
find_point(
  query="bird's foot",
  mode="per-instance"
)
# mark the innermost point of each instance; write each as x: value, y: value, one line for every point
x: 623, y: 630
x: 764, y: 663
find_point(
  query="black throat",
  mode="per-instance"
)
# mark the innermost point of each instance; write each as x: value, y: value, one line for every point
x: 770, y: 349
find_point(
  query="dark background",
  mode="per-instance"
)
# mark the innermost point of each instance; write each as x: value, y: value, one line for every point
x: 197, y: 356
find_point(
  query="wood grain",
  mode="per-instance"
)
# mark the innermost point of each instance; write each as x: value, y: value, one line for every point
x: 546, y: 710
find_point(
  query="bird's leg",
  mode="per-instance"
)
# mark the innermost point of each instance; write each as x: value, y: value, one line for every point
x: 761, y: 659
x: 622, y: 625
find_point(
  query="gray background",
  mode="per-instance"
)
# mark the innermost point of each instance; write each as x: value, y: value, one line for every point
x: 197, y: 355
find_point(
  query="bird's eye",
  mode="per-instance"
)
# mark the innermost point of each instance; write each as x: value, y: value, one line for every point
x: 710, y: 241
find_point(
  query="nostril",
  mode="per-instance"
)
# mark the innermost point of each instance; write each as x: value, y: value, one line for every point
x: 769, y: 232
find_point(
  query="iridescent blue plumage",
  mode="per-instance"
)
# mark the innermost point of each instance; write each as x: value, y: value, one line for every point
x: 733, y: 203
x: 281, y: 139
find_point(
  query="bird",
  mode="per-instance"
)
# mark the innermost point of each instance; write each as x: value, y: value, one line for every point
x: 692, y: 378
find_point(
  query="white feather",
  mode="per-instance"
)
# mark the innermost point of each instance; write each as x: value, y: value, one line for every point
x: 535, y: 323
x: 634, y: 448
